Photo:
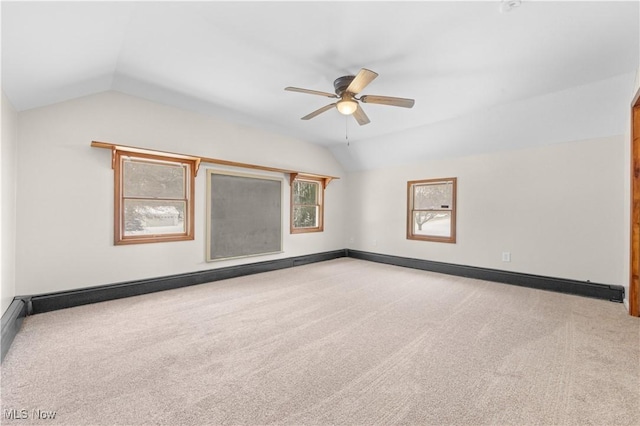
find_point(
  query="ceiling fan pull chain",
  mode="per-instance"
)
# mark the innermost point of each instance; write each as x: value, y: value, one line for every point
x: 346, y: 129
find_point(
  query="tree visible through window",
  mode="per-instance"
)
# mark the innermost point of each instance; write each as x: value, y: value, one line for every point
x: 307, y: 205
x: 431, y: 214
x: 153, y: 199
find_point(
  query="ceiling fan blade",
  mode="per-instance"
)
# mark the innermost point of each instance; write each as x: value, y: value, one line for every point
x: 318, y: 111
x: 361, y: 80
x: 311, y: 92
x: 387, y: 100
x: 360, y: 116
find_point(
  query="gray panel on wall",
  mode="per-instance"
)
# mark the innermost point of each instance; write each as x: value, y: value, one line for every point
x: 244, y: 215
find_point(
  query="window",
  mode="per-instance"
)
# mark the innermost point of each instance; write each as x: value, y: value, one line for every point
x: 307, y: 194
x: 153, y: 198
x: 431, y: 211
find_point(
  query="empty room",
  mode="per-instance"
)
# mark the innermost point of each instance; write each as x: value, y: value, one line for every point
x: 327, y: 213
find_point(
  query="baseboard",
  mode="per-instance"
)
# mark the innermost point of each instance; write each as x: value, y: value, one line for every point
x: 11, y: 323
x: 29, y: 305
x: 66, y: 299
x: 614, y: 293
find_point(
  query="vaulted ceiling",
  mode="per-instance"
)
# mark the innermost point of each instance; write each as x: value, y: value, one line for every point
x: 483, y: 80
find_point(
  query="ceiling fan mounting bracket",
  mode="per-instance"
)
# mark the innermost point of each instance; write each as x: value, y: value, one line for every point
x: 341, y: 83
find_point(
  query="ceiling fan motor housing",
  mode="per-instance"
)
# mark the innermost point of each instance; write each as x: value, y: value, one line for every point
x: 341, y: 83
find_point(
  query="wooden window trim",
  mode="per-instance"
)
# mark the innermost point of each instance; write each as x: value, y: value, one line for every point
x: 321, y: 182
x: 200, y: 159
x: 119, y: 238
x: 410, y: 234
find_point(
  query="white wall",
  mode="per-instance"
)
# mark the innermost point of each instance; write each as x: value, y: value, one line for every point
x: 8, y: 158
x: 558, y: 209
x: 65, y: 187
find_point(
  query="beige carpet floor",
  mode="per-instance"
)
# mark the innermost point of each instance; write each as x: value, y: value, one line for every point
x: 344, y: 342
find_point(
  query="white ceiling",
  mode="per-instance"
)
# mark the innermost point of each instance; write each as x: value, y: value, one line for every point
x: 461, y: 61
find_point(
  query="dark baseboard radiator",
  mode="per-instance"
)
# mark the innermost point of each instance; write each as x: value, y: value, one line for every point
x: 30, y: 305
x: 67, y: 299
x: 614, y: 293
x: 11, y: 323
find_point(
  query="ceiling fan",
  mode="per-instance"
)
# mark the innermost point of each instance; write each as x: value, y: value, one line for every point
x: 346, y: 88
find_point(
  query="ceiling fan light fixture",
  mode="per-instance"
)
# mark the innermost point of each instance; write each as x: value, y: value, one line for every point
x: 347, y: 106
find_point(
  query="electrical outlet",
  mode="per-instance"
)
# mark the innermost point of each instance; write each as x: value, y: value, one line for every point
x: 506, y: 256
